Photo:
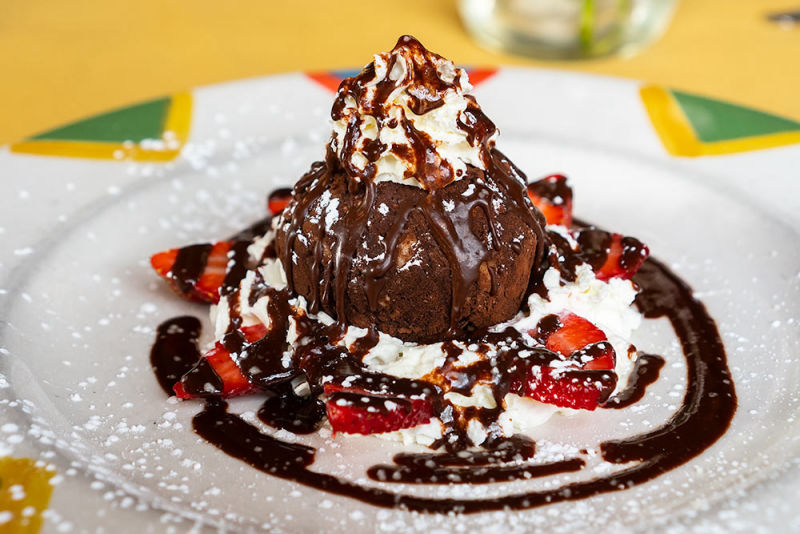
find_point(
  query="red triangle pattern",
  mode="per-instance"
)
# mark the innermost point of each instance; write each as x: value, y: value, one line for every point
x: 331, y: 79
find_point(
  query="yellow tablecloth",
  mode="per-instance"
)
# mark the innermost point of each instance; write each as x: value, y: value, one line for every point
x: 61, y: 61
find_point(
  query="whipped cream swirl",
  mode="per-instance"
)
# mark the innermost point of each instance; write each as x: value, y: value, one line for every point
x: 408, y: 118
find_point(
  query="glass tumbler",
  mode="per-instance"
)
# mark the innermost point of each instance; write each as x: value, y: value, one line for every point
x: 566, y: 29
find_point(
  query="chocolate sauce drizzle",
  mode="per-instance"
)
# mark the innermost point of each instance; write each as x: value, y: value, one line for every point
x: 645, y: 372
x: 288, y: 410
x: 426, y: 87
x: 473, y: 467
x: 704, y: 416
x: 554, y: 188
x: 174, y: 352
x: 237, y: 267
x: 188, y: 266
x: 594, y: 246
x: 190, y: 261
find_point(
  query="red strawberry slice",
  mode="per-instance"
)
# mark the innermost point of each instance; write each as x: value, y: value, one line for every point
x: 625, y: 256
x: 589, y: 379
x: 574, y: 337
x: 597, y: 356
x: 553, y: 197
x: 570, y: 388
x: 355, y: 411
x: 233, y: 382
x: 195, y: 272
x: 278, y: 200
x: 566, y: 333
x: 218, y: 370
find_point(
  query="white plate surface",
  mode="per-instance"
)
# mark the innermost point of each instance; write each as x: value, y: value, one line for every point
x: 80, y: 306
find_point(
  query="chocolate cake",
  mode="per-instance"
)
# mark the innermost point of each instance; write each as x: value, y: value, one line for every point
x: 441, y: 247
x: 400, y: 278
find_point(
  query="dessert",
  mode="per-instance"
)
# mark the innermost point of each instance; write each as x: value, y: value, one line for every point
x: 411, y: 184
x: 415, y: 286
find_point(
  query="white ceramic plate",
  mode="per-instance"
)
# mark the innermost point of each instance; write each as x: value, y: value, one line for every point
x: 80, y: 304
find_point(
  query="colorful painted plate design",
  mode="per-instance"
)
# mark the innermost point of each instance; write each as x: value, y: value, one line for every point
x: 88, y: 441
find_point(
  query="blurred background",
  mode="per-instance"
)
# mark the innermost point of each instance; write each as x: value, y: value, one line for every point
x: 62, y: 61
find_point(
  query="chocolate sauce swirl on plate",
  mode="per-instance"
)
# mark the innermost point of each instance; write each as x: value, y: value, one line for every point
x: 174, y: 352
x: 645, y: 372
x: 703, y: 417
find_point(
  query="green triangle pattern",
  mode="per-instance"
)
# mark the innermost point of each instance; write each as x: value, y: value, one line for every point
x: 134, y: 123
x: 713, y: 120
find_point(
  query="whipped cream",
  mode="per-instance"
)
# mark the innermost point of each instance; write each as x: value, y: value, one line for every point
x: 408, y: 118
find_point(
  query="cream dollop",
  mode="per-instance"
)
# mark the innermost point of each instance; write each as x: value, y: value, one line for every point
x: 408, y: 118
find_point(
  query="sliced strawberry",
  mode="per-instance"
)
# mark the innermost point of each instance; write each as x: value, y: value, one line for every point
x: 570, y: 388
x: 217, y: 374
x: 566, y: 333
x: 587, y: 378
x: 625, y: 256
x: 233, y: 381
x: 278, y: 200
x: 162, y: 262
x: 609, y: 255
x: 195, y: 272
x: 355, y: 411
x: 553, y: 197
x: 597, y: 356
x: 214, y: 273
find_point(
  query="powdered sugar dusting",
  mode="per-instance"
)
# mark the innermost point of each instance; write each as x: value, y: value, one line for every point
x: 124, y: 457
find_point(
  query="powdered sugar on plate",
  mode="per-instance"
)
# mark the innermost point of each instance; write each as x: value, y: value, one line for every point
x: 79, y: 311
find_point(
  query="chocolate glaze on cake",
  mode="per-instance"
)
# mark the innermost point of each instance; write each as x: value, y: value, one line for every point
x: 419, y: 265
x: 431, y: 261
